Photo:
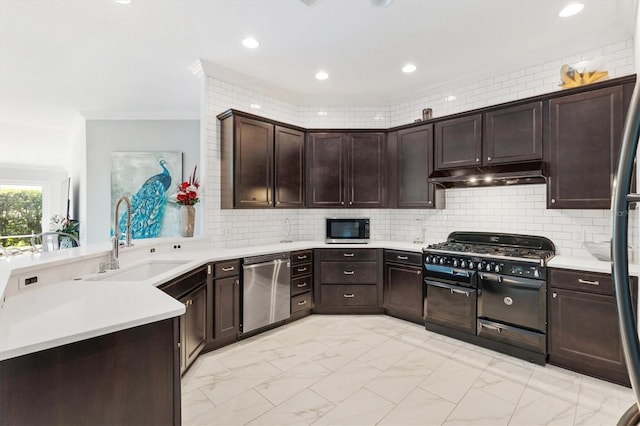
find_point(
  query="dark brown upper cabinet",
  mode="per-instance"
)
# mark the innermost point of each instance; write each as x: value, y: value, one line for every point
x: 458, y: 142
x: 346, y: 169
x: 513, y: 134
x: 584, y: 137
x: 410, y: 163
x: 262, y: 163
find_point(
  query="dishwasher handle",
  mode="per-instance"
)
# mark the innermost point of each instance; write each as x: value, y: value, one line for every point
x: 263, y: 264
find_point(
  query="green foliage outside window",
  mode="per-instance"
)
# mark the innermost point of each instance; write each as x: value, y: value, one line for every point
x: 20, y: 214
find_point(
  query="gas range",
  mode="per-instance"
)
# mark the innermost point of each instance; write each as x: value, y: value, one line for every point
x: 507, y: 254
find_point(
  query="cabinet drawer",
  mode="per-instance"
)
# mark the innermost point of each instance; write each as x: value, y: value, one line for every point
x: 302, y: 256
x: 590, y: 282
x: 301, y: 302
x: 348, y: 254
x: 348, y: 273
x: 404, y: 257
x: 227, y: 269
x: 349, y: 295
x: 300, y: 285
x: 302, y: 269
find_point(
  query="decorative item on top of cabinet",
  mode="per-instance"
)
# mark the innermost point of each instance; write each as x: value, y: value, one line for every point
x: 262, y: 162
x: 585, y: 132
x: 403, y: 286
x: 348, y: 281
x: 346, y: 169
x: 191, y: 289
x: 224, y: 305
x: 584, y: 335
x: 410, y: 153
x: 301, y: 284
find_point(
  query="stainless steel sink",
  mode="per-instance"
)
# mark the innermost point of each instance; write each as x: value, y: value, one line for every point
x: 141, y: 271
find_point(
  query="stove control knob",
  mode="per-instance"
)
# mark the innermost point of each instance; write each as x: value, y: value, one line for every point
x: 536, y: 273
x: 488, y: 268
x: 497, y: 268
x: 463, y: 264
x: 427, y: 259
x: 455, y: 263
x: 480, y: 266
x: 442, y: 260
x: 471, y: 265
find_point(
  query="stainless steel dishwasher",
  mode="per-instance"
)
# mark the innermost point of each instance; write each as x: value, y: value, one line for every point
x: 266, y: 291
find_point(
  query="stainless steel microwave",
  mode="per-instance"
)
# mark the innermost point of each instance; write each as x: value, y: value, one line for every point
x: 355, y: 230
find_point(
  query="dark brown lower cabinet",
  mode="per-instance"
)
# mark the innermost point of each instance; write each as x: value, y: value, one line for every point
x: 227, y: 308
x: 403, y: 286
x: 193, y: 326
x: 584, y: 335
x: 127, y: 377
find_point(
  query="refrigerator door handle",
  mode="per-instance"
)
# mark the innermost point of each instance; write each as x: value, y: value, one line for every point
x: 619, y: 256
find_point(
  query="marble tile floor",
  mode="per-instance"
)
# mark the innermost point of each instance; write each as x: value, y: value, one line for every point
x: 379, y: 370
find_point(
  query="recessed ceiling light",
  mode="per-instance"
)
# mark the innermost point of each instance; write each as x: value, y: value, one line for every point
x: 255, y: 106
x: 450, y: 98
x: 124, y: 1
x: 250, y: 43
x: 321, y: 75
x: 196, y: 68
x: 570, y: 10
x: 409, y: 68
x: 322, y: 113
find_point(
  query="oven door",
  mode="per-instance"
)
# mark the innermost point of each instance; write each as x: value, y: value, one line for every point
x: 450, y: 305
x: 516, y: 301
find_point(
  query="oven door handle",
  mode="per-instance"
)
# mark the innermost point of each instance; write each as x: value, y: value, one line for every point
x: 491, y: 277
x: 452, y: 288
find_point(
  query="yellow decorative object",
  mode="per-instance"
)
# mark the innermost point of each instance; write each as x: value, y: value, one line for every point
x: 582, y: 73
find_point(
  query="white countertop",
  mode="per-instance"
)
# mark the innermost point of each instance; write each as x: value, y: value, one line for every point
x: 590, y: 264
x: 63, y: 308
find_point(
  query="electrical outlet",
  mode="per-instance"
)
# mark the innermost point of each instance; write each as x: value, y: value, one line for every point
x: 579, y: 236
x: 176, y: 246
x: 226, y: 229
x: 26, y: 280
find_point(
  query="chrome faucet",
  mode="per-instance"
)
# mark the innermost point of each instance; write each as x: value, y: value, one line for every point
x: 115, y: 263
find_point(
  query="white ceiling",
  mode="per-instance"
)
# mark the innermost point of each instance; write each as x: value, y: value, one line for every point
x: 103, y: 59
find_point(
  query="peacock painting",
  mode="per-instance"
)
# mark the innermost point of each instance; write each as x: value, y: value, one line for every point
x: 145, y: 177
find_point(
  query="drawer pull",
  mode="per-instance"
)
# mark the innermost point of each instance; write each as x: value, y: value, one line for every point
x: 349, y: 272
x: 491, y: 327
x: 348, y: 254
x: 228, y: 269
x: 302, y: 285
x: 302, y: 269
x: 403, y: 257
x: 304, y: 302
x: 581, y: 281
x: 349, y: 295
x: 302, y: 257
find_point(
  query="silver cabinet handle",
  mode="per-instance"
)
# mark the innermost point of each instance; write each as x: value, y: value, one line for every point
x: 230, y: 268
x: 302, y: 285
x: 350, y: 203
x: 477, y: 160
x: 302, y: 269
x: 553, y: 201
x: 491, y: 327
x: 488, y: 158
x: 302, y: 257
x: 348, y: 255
x: 581, y: 281
x: 554, y: 294
x: 349, y: 295
x: 468, y: 294
x: 237, y: 282
x: 349, y: 272
x: 403, y: 258
x: 304, y: 302
x: 418, y: 272
x: 342, y: 203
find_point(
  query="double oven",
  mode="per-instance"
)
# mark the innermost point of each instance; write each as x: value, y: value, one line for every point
x: 490, y: 289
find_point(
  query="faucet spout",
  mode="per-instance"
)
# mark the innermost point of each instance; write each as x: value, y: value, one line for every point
x: 116, y: 231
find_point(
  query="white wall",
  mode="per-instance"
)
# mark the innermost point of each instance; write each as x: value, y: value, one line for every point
x: 518, y: 209
x: 106, y: 136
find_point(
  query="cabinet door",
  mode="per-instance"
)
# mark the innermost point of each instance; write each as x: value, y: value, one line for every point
x: 289, y: 168
x: 253, y: 163
x: 584, y: 139
x: 413, y: 166
x: 458, y: 142
x: 403, y: 290
x: 326, y: 160
x: 366, y: 169
x: 195, y: 324
x: 227, y: 307
x: 513, y: 134
x: 584, y: 334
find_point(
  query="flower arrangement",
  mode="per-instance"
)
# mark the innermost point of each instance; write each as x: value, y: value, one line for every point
x: 188, y: 190
x: 63, y: 224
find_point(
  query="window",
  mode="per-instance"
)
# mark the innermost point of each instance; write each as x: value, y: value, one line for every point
x: 20, y: 214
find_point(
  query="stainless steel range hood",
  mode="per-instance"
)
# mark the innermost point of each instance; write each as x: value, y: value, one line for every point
x: 494, y: 175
